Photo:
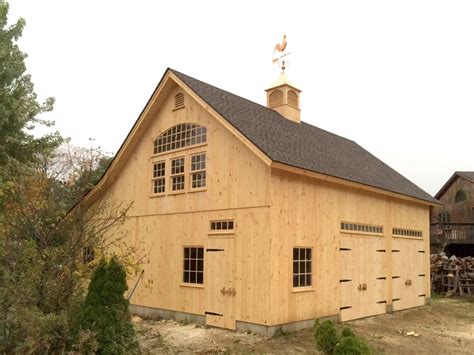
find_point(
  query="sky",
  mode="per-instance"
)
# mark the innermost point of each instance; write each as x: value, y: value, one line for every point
x: 397, y: 77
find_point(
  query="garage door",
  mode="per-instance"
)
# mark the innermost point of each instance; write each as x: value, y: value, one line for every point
x: 408, y: 280
x: 363, y: 285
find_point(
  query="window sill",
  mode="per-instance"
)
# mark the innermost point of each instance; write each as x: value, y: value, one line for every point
x: 191, y: 285
x: 362, y: 233
x: 179, y: 192
x: 157, y: 195
x: 221, y: 232
x: 198, y: 189
x: 303, y: 289
x: 407, y: 237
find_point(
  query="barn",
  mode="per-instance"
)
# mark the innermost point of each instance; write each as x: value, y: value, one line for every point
x: 254, y: 220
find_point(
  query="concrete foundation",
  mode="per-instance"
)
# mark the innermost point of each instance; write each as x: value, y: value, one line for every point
x: 271, y: 330
x: 266, y: 330
x: 158, y: 313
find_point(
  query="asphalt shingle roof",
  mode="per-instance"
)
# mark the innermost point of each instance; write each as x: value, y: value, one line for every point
x: 301, y: 144
x: 469, y: 175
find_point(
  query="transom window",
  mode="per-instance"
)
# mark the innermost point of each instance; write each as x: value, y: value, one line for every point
x: 302, y: 267
x: 177, y: 174
x: 158, y: 177
x: 193, y: 266
x: 407, y: 232
x: 180, y: 136
x: 222, y: 225
x: 359, y: 227
x: 198, y: 170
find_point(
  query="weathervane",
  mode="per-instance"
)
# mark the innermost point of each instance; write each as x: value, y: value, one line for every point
x: 280, y: 54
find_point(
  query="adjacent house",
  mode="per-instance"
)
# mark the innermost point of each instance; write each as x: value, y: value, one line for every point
x: 255, y: 220
x: 452, y: 223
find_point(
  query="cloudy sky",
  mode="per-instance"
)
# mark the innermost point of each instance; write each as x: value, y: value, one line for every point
x: 395, y: 76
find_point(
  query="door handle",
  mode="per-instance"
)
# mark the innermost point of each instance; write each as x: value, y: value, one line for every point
x: 230, y: 291
x: 408, y: 282
x: 364, y: 286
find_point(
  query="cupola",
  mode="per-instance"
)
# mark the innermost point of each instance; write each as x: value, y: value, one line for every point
x: 284, y: 97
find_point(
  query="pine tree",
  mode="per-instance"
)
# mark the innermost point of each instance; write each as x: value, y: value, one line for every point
x: 105, y: 310
x: 19, y: 107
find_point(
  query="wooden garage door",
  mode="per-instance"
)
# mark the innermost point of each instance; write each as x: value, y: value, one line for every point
x: 363, y: 284
x: 408, y: 280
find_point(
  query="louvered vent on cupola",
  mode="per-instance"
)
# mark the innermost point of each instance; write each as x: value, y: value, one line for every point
x: 179, y: 101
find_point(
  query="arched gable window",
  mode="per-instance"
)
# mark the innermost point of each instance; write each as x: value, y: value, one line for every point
x: 460, y: 196
x: 180, y: 136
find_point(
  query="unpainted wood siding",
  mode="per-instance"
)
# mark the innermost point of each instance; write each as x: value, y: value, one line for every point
x: 238, y: 185
x: 308, y: 212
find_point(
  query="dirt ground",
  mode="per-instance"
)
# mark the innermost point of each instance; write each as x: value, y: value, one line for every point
x: 444, y: 327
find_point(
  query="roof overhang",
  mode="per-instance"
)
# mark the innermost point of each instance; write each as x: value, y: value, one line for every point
x: 352, y: 184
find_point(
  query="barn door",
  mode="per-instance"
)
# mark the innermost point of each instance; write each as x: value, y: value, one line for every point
x: 408, y: 278
x: 362, y: 282
x: 220, y: 283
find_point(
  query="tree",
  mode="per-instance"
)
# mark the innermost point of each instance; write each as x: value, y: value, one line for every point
x: 105, y: 310
x: 19, y: 107
x: 44, y: 274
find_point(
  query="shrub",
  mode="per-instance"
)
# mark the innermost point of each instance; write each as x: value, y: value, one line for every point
x: 347, y: 332
x: 351, y: 345
x: 105, y: 311
x: 326, y: 336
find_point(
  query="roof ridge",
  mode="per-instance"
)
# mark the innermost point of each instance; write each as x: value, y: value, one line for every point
x: 262, y: 106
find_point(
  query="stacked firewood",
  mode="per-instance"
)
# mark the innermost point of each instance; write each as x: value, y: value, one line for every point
x: 452, y: 276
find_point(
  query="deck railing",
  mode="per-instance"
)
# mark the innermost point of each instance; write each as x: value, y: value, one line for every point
x: 462, y: 233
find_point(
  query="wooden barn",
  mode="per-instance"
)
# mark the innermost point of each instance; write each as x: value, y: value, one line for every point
x: 255, y: 220
x: 452, y: 223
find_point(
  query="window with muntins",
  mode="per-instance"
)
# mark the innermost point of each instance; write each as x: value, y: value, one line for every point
x: 302, y: 267
x: 460, y: 196
x: 407, y: 232
x: 158, y: 177
x: 224, y: 225
x: 177, y: 174
x: 180, y: 136
x: 198, y: 170
x: 362, y: 228
x: 193, y: 266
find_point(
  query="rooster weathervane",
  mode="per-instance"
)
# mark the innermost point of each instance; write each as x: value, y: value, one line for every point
x: 280, y: 54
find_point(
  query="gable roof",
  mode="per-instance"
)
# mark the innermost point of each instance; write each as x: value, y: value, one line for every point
x: 302, y: 145
x: 468, y: 175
